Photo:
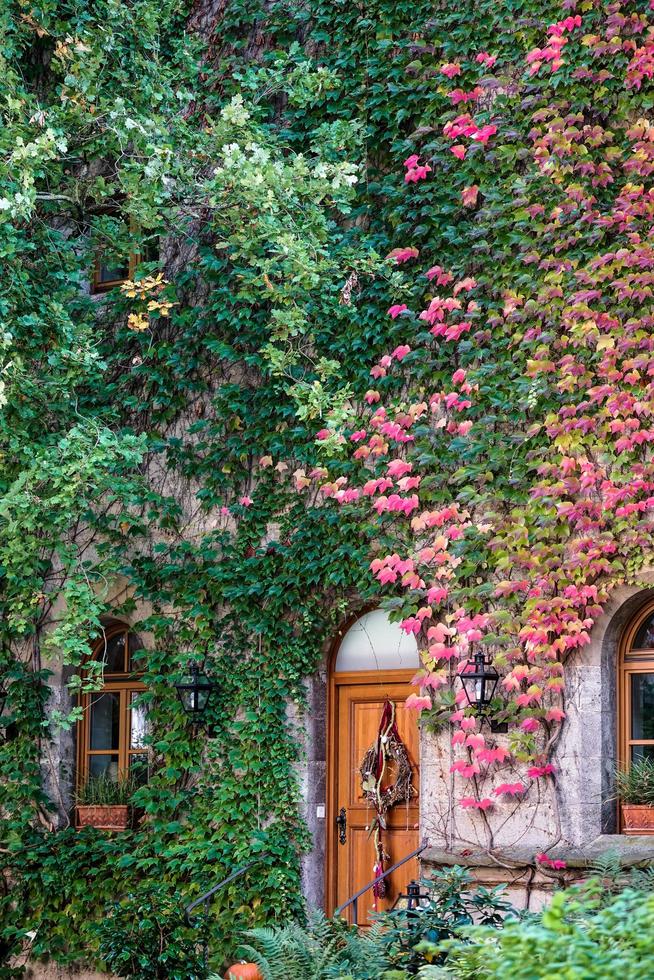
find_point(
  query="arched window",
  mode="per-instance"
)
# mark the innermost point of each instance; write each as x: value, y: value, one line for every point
x: 636, y: 687
x: 111, y: 734
x: 373, y: 642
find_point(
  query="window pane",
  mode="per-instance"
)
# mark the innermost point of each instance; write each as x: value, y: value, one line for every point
x: 138, y: 716
x: 644, y: 639
x: 109, y: 273
x: 374, y: 643
x: 639, y: 752
x: 136, y: 653
x: 114, y: 654
x: 642, y: 706
x: 105, y: 721
x: 103, y: 765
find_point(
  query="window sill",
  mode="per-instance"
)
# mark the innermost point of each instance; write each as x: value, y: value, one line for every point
x: 631, y: 850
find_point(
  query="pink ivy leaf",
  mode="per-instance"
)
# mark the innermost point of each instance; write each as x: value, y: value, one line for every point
x: 403, y: 254
x: 509, y: 789
x: 555, y: 714
x: 419, y: 172
x: 486, y: 59
x: 451, y: 69
x: 490, y: 756
x: 469, y: 195
x: 537, y: 772
x: 417, y: 702
x: 549, y: 862
x: 469, y: 802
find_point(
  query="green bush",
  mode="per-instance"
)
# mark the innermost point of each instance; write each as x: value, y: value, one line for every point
x: 143, y: 937
x: 575, y: 938
x: 453, y: 901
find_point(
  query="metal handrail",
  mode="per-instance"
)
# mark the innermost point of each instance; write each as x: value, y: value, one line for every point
x: 398, y: 864
x: 221, y: 884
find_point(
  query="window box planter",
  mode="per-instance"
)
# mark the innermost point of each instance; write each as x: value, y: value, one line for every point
x: 637, y: 819
x: 635, y: 792
x: 104, y: 816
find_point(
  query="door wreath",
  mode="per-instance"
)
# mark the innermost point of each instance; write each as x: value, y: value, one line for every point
x: 387, y: 748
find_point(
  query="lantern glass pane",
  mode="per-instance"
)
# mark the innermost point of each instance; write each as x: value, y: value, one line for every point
x: 194, y: 692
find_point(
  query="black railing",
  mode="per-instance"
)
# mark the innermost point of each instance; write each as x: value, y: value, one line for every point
x: 206, y: 898
x: 354, y: 901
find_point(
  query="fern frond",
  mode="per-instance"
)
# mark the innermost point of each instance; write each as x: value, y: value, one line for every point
x: 607, y: 866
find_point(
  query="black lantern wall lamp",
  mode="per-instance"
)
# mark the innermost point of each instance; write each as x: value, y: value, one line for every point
x: 480, y: 680
x: 194, y: 691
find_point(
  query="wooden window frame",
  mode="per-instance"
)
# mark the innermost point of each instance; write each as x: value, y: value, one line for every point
x: 125, y: 685
x: 630, y: 663
x: 98, y: 286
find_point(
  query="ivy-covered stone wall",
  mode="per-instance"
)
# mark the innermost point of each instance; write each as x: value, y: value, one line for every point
x: 400, y: 315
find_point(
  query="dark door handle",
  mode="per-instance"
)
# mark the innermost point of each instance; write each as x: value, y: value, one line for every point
x: 341, y: 823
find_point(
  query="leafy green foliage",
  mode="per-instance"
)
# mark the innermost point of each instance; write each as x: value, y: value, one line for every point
x: 143, y: 937
x: 398, y: 944
x: 324, y: 948
x: 452, y: 902
x: 583, y: 932
x: 574, y: 937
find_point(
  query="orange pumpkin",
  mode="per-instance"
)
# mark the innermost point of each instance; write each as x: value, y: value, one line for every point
x: 244, y: 971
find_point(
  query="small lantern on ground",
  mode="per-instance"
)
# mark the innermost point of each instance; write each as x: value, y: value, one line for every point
x: 413, y: 900
x: 194, y: 691
x: 480, y: 680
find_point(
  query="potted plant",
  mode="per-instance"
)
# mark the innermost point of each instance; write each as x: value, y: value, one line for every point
x: 104, y: 803
x: 635, y: 790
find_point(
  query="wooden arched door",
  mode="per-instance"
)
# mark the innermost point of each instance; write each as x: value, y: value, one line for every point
x: 357, y: 700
